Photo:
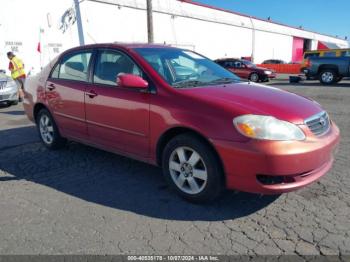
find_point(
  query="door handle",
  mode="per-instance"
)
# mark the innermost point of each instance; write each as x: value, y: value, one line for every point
x: 91, y: 94
x: 51, y: 87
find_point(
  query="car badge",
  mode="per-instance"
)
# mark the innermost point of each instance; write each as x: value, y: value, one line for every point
x: 322, y: 121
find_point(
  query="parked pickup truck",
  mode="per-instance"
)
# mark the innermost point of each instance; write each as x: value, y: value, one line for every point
x: 328, y: 70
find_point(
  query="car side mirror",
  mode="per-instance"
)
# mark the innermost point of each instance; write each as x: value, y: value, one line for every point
x: 131, y: 81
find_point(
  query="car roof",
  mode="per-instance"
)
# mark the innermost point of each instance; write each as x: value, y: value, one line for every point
x: 227, y: 58
x: 121, y: 45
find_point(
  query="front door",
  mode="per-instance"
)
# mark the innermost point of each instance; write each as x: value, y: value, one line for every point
x: 240, y: 69
x: 117, y: 118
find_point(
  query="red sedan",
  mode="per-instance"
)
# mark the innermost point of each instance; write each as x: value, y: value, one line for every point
x: 247, y: 70
x: 174, y: 108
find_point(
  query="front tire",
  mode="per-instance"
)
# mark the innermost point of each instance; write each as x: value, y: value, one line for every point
x: 48, y: 131
x: 328, y: 77
x: 192, y: 169
x: 254, y: 77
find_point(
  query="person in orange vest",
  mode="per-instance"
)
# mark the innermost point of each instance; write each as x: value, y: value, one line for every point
x: 18, y: 74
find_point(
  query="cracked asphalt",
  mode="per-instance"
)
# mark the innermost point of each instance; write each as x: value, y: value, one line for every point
x: 82, y: 200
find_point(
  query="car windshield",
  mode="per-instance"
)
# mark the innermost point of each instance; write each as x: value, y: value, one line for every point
x: 249, y: 64
x: 184, y: 68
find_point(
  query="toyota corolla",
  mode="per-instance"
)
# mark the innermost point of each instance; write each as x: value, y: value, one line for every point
x: 176, y: 109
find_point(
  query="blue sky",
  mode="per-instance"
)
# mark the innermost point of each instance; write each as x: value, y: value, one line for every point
x: 323, y: 16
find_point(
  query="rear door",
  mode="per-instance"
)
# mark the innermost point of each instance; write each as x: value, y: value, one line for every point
x: 117, y: 117
x: 65, y: 93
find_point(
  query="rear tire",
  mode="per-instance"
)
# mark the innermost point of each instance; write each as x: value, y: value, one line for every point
x: 328, y: 77
x: 48, y: 131
x: 192, y: 169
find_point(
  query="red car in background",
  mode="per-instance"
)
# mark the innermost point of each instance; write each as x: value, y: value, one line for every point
x: 177, y: 109
x: 246, y: 69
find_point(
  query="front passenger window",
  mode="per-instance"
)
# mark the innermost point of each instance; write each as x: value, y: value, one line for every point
x: 238, y: 64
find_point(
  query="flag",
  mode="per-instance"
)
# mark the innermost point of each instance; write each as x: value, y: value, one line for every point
x: 39, y: 47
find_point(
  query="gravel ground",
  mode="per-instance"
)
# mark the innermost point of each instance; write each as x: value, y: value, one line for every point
x: 81, y: 200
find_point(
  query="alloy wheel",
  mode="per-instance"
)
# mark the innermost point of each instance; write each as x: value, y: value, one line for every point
x: 254, y: 77
x: 46, y: 129
x: 327, y: 77
x: 188, y: 170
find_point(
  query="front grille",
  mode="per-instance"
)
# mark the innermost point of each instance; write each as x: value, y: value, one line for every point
x: 4, y: 97
x: 2, y: 84
x: 318, y: 124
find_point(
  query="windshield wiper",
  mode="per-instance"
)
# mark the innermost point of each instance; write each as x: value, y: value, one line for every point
x: 194, y: 83
x: 188, y: 83
x: 224, y: 80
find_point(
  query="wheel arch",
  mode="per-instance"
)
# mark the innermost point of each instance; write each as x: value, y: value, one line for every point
x: 37, y: 108
x: 328, y: 67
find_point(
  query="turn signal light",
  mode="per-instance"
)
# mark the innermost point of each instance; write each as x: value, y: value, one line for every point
x: 246, y: 129
x: 308, y: 63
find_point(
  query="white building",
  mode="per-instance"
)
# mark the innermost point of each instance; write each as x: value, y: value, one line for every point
x: 211, y: 31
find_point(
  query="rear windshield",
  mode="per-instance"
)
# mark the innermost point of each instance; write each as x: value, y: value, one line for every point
x: 307, y: 55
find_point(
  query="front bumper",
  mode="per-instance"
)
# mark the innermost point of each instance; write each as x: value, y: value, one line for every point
x: 273, y: 75
x: 9, y: 96
x: 308, y: 74
x: 266, y: 77
x: 295, y: 163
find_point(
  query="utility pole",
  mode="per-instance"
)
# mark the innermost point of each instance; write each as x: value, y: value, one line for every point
x: 253, y: 39
x: 79, y: 22
x: 150, y: 21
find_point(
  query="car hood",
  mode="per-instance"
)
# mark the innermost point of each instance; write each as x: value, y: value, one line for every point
x: 3, y: 77
x: 248, y: 98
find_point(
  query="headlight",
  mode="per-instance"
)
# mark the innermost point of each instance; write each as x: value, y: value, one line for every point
x: 267, y: 128
x: 268, y: 72
x: 11, y: 84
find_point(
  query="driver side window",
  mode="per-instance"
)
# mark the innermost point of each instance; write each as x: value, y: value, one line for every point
x: 237, y: 64
x: 110, y: 63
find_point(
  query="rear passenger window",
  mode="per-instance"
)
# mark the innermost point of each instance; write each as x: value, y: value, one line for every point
x: 74, y: 66
x: 110, y: 63
x: 228, y: 64
x: 329, y: 54
x: 345, y: 53
x: 55, y: 72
